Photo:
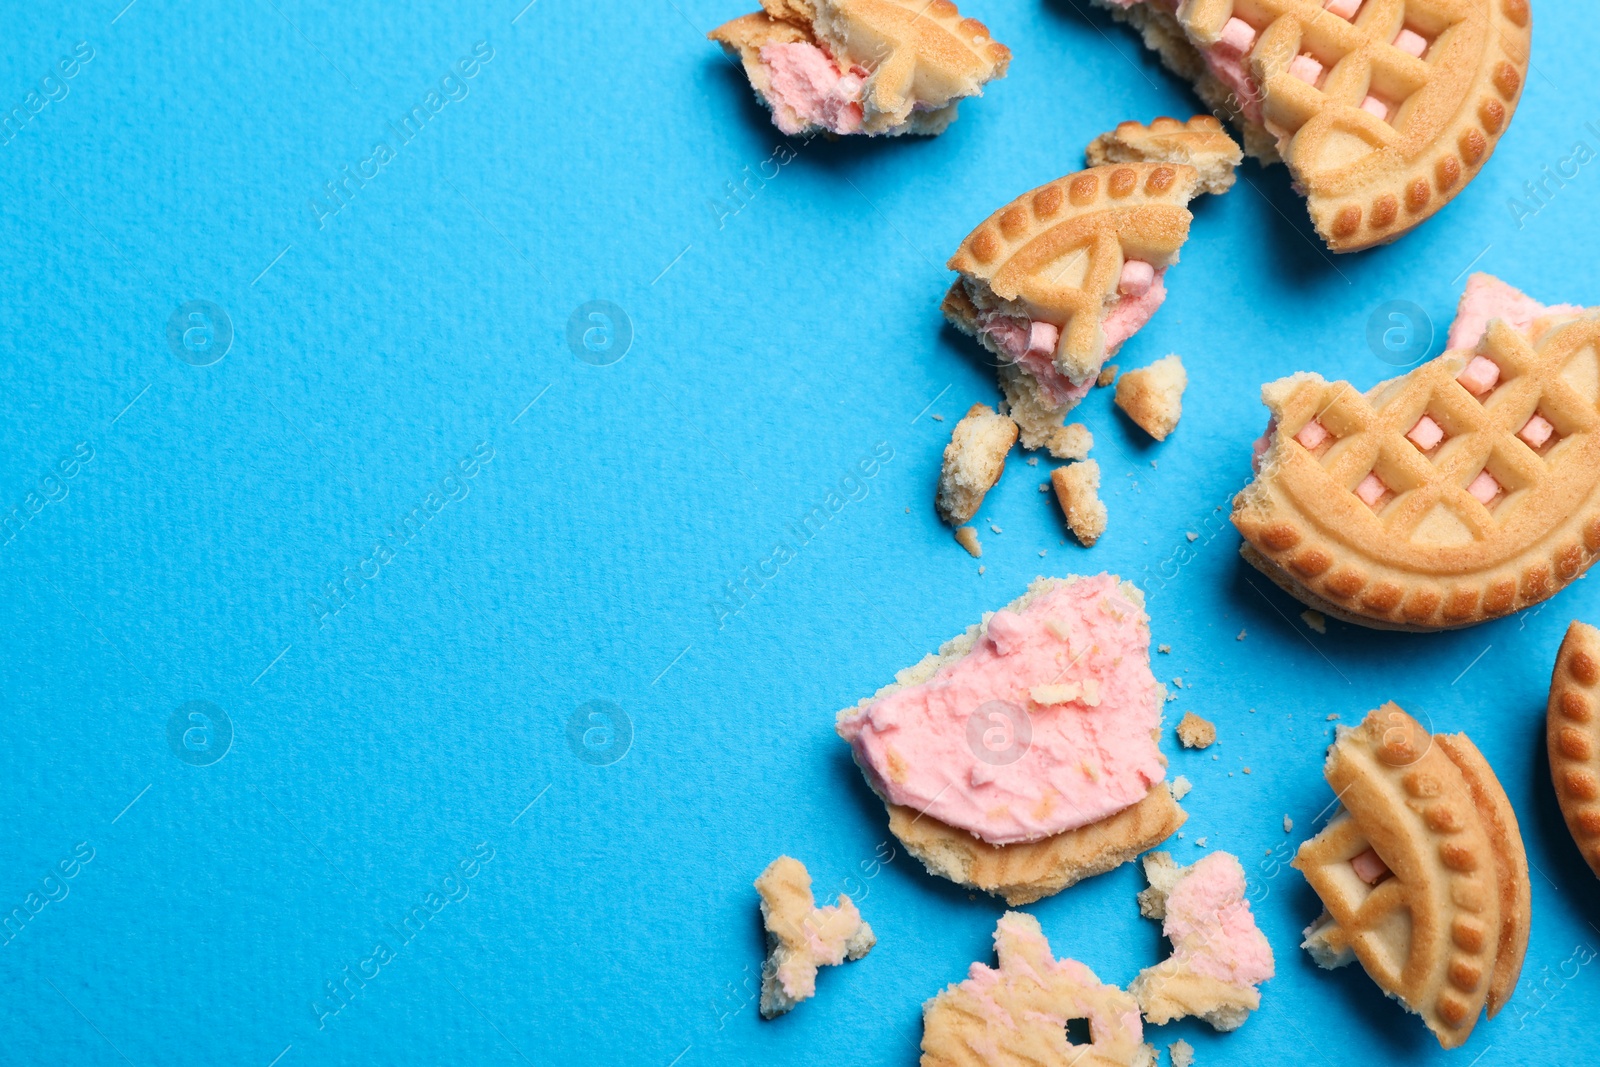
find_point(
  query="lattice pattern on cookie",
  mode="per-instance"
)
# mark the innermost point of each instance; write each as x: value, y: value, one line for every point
x: 1426, y: 546
x: 1383, y: 109
x: 1016, y: 1015
x: 1572, y: 727
x: 1429, y: 933
x: 1055, y: 254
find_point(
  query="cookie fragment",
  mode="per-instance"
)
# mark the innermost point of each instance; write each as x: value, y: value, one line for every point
x: 1572, y: 731
x: 967, y: 538
x: 802, y: 937
x: 973, y: 462
x: 1201, y: 142
x: 1196, y: 732
x: 1077, y: 491
x: 1219, y: 956
x: 1182, y: 1053
x: 1016, y: 1014
x: 1153, y: 396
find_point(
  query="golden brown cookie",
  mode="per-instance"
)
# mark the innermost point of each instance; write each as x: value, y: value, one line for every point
x: 973, y: 462
x: 1016, y: 1015
x: 1421, y: 872
x: 1572, y: 728
x: 1201, y: 142
x: 1382, y: 113
x: 802, y: 937
x: 1023, y: 873
x: 915, y: 59
x: 1353, y: 516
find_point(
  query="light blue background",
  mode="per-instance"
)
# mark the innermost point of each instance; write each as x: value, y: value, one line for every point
x: 774, y: 347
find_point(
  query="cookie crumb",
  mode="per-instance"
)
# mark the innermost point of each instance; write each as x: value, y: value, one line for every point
x: 1195, y: 732
x: 1153, y: 396
x: 1033, y: 461
x: 1178, y: 682
x: 1241, y: 636
x: 802, y: 937
x: 936, y: 418
x: 995, y: 528
x: 1192, y: 536
x: 967, y: 538
x: 1199, y: 842
x: 1252, y: 711
x: 1247, y: 770
x: 1181, y: 787
x: 1164, y: 649
x: 981, y: 569
x: 1077, y: 488
x: 1332, y: 716
x: 1182, y: 1053
x: 1044, y: 487
x: 1041, y: 553
x: 1288, y: 825
x: 1108, y: 374
x: 1153, y: 465
x: 973, y: 462
x: 1316, y: 620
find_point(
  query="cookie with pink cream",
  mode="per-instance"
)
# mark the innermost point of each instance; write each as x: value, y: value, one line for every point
x: 1219, y: 956
x: 875, y: 67
x: 1016, y: 1014
x: 1056, y: 281
x: 1463, y: 491
x: 1382, y: 111
x: 1024, y: 756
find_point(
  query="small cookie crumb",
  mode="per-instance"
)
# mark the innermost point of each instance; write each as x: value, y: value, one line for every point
x: 1331, y: 717
x: 1077, y: 488
x: 1247, y: 770
x: 967, y: 538
x: 1044, y: 487
x: 1164, y: 649
x: 1178, y: 682
x: 1288, y: 825
x: 1192, y: 536
x: 936, y: 418
x: 1153, y: 396
x: 973, y: 462
x: 1033, y: 461
x: 1182, y: 1053
x: 1199, y: 842
x: 1108, y: 374
x: 1241, y: 636
x: 981, y: 569
x: 1316, y: 620
x: 995, y: 528
x: 802, y: 937
x: 1195, y: 732
x: 1181, y: 787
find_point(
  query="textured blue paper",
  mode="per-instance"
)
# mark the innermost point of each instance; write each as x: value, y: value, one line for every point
x: 514, y: 527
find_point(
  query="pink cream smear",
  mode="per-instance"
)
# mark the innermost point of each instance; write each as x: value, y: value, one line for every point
x: 1071, y: 671
x: 1019, y: 943
x: 1031, y: 343
x: 803, y: 81
x: 1211, y: 927
x: 1487, y: 297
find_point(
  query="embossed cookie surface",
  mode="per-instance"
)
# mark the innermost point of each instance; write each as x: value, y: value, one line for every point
x: 1383, y: 110
x: 1417, y: 873
x: 1572, y: 728
x: 1424, y: 505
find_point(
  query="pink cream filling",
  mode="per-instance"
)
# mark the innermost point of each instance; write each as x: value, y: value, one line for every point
x: 1263, y: 444
x: 1486, y: 298
x: 1226, y: 60
x: 1044, y: 726
x: 804, y: 81
x: 1211, y: 927
x: 1536, y: 431
x: 1369, y: 868
x: 985, y: 982
x: 1031, y: 343
x: 1426, y: 434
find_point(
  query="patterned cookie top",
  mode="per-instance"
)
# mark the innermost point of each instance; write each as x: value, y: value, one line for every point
x: 1408, y: 872
x: 1463, y: 491
x: 1383, y: 109
x: 1016, y: 1015
x: 1572, y: 726
x: 1200, y: 142
x: 1058, y: 251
